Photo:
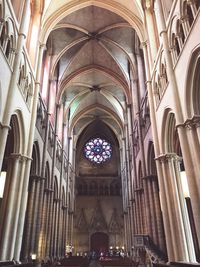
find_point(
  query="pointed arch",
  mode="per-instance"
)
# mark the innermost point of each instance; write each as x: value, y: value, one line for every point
x: 35, y: 164
x: 151, y: 164
x: 192, y: 92
x: 17, y: 123
x: 110, y: 5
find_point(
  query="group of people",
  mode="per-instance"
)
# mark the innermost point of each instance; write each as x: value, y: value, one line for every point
x: 101, y: 255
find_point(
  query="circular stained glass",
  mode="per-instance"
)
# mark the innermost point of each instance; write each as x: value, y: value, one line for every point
x: 98, y: 150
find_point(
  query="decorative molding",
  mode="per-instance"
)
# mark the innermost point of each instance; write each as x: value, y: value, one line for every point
x: 37, y: 177
x: 168, y: 157
x: 114, y: 225
x: 98, y: 222
x: 81, y: 223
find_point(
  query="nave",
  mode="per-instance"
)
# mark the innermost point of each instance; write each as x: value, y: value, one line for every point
x: 99, y: 131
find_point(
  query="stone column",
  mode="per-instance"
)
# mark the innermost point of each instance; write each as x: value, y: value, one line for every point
x: 127, y: 175
x: 50, y: 221
x: 10, y: 210
x: 133, y: 172
x: 193, y: 132
x: 140, y: 70
x: 191, y: 170
x: 14, y: 78
x: 29, y: 152
x: 157, y: 153
x: 60, y: 212
x: 30, y: 207
x: 158, y: 215
x: 178, y: 213
x: 152, y: 220
x: 65, y: 215
x: 168, y: 211
x: 43, y: 237
x: 152, y: 32
x: 17, y: 221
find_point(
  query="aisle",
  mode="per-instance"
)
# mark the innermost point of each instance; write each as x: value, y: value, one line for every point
x: 95, y: 263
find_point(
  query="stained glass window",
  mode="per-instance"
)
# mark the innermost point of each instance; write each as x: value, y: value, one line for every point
x: 98, y: 150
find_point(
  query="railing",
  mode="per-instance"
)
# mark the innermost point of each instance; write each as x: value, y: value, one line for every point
x: 145, y: 242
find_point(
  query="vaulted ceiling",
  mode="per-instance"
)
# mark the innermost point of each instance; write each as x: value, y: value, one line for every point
x: 93, y: 50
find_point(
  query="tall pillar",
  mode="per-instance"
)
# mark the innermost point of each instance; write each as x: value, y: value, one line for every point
x: 133, y: 172
x: 140, y: 71
x: 150, y: 24
x: 17, y: 220
x: 29, y: 153
x: 157, y: 153
x: 192, y: 173
x: 9, y: 215
x: 127, y: 181
x: 179, y: 221
x: 158, y: 215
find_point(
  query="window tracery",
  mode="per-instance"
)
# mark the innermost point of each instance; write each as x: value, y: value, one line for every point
x: 98, y: 150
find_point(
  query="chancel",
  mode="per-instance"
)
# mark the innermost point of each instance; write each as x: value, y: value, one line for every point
x: 99, y: 133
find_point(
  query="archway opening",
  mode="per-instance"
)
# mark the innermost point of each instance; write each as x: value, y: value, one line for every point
x: 99, y: 242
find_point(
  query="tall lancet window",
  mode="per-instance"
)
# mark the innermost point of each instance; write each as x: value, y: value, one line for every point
x: 98, y: 150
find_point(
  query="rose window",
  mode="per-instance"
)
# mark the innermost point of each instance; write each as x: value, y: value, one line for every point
x: 98, y: 150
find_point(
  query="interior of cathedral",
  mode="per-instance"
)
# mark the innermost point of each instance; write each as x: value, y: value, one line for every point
x: 99, y: 133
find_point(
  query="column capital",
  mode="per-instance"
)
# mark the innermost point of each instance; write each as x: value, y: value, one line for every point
x: 42, y: 46
x: 168, y: 157
x: 15, y: 156
x: 144, y: 43
x: 150, y: 177
x: 191, y: 123
x: 37, y: 177
x: 132, y: 200
x: 2, y: 126
x: 48, y: 190
x: 57, y: 200
x: 71, y: 212
x: 139, y: 190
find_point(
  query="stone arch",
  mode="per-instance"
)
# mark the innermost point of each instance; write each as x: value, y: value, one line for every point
x: 55, y: 187
x: 35, y: 164
x: 167, y: 132
x: 99, y: 242
x: 12, y: 172
x: 21, y: 136
x: 12, y: 31
x: 63, y: 196
x: 151, y: 164
x: 187, y: 12
x: 192, y: 92
x: 3, y: 33
x: 169, y: 137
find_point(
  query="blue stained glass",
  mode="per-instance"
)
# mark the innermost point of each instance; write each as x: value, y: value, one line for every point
x: 98, y: 150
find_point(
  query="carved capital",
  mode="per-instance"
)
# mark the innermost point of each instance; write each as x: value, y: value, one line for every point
x: 164, y: 158
x: 37, y: 177
x: 150, y: 177
x: 48, y: 190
